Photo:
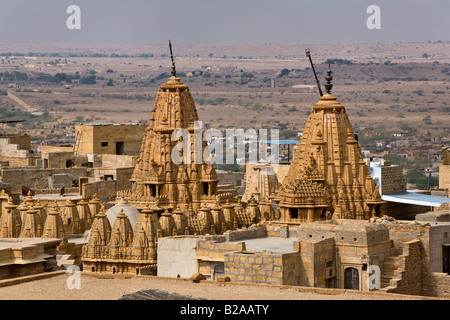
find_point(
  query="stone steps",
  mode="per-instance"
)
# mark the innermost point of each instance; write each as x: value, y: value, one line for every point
x: 391, y: 270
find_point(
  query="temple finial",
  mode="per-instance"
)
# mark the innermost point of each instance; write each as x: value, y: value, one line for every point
x: 329, y: 86
x: 174, y: 72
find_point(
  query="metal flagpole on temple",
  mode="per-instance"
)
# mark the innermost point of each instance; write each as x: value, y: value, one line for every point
x: 308, y: 54
x: 174, y: 72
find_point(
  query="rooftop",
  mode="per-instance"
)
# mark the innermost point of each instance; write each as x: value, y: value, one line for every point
x: 416, y: 198
x: 273, y: 244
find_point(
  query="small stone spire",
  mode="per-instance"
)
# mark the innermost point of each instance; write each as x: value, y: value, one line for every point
x: 329, y: 86
x: 174, y: 72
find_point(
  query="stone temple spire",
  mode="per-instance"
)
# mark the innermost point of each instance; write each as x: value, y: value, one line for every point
x: 328, y: 177
x: 156, y: 176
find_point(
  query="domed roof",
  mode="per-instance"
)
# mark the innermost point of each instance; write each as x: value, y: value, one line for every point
x: 131, y: 212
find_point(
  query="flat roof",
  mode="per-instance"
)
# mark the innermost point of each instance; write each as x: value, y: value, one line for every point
x: 415, y: 198
x: 273, y: 244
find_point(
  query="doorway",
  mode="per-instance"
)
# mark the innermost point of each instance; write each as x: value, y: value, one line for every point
x: 446, y: 258
x: 351, y: 279
x: 293, y: 212
x: 120, y: 147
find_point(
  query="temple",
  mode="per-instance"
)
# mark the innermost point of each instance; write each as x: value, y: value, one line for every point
x: 328, y: 177
x: 156, y: 179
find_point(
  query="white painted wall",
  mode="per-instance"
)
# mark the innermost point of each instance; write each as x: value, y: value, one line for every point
x: 176, y: 257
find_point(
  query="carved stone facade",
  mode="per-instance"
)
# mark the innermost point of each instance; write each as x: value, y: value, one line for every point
x: 328, y: 177
x: 173, y: 198
x: 156, y: 177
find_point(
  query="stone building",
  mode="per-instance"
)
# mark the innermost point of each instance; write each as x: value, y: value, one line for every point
x: 172, y: 199
x: 328, y: 171
x: 386, y: 255
x: 401, y: 203
x: 261, y: 182
x: 23, y: 257
x: 155, y: 175
x: 119, y: 139
x: 117, y: 249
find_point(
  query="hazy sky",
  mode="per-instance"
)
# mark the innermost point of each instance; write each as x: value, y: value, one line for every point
x: 224, y: 21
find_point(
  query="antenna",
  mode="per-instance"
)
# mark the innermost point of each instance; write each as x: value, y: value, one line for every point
x: 174, y: 72
x: 308, y: 54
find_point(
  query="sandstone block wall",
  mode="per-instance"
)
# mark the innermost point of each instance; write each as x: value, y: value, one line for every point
x: 92, y: 137
x: 105, y: 190
x: 401, y: 211
x: 37, y: 178
x: 444, y: 176
x: 114, y: 160
x: 262, y: 267
x: 17, y: 162
x: 440, y: 284
x: 411, y: 263
x: 393, y: 180
x: 23, y: 142
x: 282, y: 231
x: 121, y: 175
x: 405, y: 232
x: 317, y: 262
x: 252, y: 232
x: 9, y: 149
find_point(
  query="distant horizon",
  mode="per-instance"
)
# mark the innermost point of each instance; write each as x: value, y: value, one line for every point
x: 224, y: 23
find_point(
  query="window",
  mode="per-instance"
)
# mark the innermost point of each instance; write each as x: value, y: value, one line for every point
x: 153, y: 190
x: 293, y: 212
x: 205, y: 187
x: 120, y: 148
x: 104, y: 144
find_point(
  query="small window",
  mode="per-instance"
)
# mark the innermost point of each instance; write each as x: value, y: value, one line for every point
x: 293, y: 213
x: 104, y: 144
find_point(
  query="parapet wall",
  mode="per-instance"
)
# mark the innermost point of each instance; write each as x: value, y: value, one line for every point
x: 440, y: 285
x: 36, y: 178
x: 255, y: 231
x: 411, y: 264
x: 263, y: 267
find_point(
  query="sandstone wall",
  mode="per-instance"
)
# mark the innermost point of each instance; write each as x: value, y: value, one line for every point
x: 263, y: 267
x: 36, y: 178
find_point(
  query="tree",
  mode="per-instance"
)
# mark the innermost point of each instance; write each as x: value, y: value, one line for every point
x: 110, y: 83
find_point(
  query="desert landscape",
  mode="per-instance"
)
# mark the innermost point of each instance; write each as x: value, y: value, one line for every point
x: 392, y: 92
